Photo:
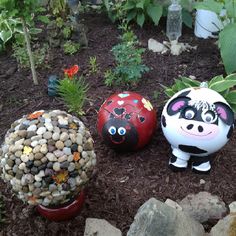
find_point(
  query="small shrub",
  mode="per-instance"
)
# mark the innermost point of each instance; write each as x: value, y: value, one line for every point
x: 128, y: 57
x: 70, y: 47
x: 22, y: 58
x: 73, y: 90
x: 93, y: 65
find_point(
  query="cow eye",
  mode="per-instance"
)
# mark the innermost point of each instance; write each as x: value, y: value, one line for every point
x: 121, y: 131
x: 209, y: 117
x: 112, y: 130
x: 189, y: 113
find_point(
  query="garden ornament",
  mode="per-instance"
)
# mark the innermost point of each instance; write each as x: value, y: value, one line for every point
x: 52, y: 85
x: 48, y: 157
x: 197, y: 122
x: 126, y: 121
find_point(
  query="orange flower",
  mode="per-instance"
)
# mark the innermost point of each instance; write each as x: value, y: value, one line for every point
x: 34, y: 115
x: 76, y: 156
x: 71, y: 71
x: 60, y: 177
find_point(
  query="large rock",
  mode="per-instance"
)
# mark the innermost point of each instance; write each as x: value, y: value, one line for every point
x: 232, y: 207
x: 99, y: 227
x: 225, y: 227
x: 203, y: 206
x: 155, y: 218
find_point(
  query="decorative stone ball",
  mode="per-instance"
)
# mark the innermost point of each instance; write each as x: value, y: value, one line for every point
x: 126, y: 121
x: 196, y: 122
x: 47, y: 157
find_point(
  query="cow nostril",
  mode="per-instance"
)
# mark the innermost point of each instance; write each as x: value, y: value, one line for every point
x: 200, y: 129
x: 190, y: 126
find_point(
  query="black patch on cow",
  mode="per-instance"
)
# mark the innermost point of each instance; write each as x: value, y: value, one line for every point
x: 174, y: 168
x: 191, y: 149
x: 109, y: 102
x: 142, y: 119
x: 230, y: 131
x: 163, y: 121
x: 184, y: 94
x: 196, y: 160
x: 112, y: 116
x: 171, y: 111
x: 119, y: 111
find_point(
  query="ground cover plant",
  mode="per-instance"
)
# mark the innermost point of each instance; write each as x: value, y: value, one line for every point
x: 122, y: 181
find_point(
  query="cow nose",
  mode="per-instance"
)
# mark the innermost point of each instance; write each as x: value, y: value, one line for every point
x: 190, y: 126
x: 200, y: 129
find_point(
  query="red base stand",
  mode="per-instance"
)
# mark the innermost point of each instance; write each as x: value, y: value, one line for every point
x: 63, y: 212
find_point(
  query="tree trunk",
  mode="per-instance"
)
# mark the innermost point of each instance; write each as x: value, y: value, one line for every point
x: 27, y: 40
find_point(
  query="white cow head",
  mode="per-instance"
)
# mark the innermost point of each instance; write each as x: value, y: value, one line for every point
x: 197, y: 117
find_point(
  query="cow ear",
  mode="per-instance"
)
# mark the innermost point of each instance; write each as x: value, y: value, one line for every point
x: 176, y: 105
x: 225, y: 113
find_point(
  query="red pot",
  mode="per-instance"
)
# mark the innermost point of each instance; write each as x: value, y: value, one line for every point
x: 63, y: 212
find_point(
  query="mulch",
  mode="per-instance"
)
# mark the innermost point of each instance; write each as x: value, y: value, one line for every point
x: 122, y: 182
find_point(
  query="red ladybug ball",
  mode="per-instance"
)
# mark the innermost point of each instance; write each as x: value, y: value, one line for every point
x: 126, y: 121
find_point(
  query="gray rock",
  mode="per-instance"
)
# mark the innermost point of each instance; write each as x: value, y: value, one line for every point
x: 30, y: 134
x: 232, y: 207
x: 225, y: 227
x: 100, y: 227
x: 203, y: 206
x: 47, y: 135
x: 64, y: 165
x: 155, y: 218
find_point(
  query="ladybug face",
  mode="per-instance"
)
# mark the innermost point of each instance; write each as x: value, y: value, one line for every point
x: 120, y: 134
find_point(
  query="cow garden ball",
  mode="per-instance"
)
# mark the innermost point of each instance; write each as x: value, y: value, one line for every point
x: 196, y: 122
x: 47, y: 157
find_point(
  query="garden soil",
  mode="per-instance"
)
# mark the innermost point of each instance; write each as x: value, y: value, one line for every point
x: 122, y: 182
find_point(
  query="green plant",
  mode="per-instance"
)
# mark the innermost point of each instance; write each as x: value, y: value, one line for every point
x: 22, y: 12
x: 93, y: 65
x: 70, y: 47
x: 140, y: 11
x: 227, y: 36
x: 39, y: 55
x: 224, y: 86
x: 128, y: 57
x: 67, y: 31
x: 73, y: 90
x: 58, y: 7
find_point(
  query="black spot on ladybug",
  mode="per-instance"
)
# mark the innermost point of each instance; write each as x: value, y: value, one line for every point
x: 142, y: 119
x: 163, y: 121
x: 111, y: 116
x: 119, y: 111
x: 109, y: 102
x: 127, y: 116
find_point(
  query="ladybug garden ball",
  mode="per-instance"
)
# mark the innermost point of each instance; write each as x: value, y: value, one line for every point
x: 126, y: 121
x: 196, y: 122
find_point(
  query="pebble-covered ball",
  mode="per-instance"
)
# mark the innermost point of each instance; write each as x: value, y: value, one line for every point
x: 47, y: 157
x: 126, y: 121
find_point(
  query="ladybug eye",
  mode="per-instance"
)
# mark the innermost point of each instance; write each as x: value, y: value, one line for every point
x: 121, y: 131
x: 112, y: 130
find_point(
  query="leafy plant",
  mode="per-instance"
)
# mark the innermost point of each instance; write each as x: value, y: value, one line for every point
x: 227, y: 36
x: 39, y: 55
x: 224, y: 86
x: 140, y: 11
x: 58, y: 7
x: 23, y: 13
x: 93, y: 65
x: 144, y: 10
x: 73, y: 90
x: 70, y: 47
x: 128, y: 57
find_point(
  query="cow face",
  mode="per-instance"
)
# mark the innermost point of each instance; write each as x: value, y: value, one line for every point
x: 199, y: 119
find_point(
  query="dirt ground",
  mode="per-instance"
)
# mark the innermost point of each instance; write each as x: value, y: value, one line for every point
x: 122, y: 181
